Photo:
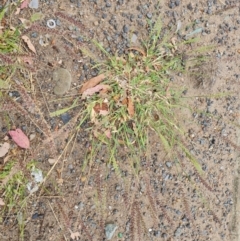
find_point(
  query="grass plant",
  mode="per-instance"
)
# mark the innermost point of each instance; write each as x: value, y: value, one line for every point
x: 140, y: 97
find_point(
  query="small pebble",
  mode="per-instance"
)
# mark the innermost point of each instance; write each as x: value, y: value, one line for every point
x: 157, y: 233
x: 125, y: 29
x: 171, y: 5
x: 134, y: 38
x: 58, y: 22
x: 62, y: 80
x: 32, y: 136
x: 177, y: 2
x: 149, y: 15
x: 108, y: 5
x: 190, y: 7
x: 34, y: 35
x: 110, y: 230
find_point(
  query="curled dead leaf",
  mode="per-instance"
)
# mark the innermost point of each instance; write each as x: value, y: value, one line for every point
x: 29, y: 43
x: 138, y: 49
x: 125, y: 101
x: 92, y: 82
x: 95, y: 89
x: 100, y: 106
x: 130, y: 107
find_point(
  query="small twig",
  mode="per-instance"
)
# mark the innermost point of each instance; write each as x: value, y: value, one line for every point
x: 57, y: 219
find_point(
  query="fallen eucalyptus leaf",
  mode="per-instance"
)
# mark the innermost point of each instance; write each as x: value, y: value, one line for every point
x: 92, y: 82
x: 20, y: 138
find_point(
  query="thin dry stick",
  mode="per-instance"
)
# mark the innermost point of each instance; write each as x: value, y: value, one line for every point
x: 57, y: 220
x: 49, y: 172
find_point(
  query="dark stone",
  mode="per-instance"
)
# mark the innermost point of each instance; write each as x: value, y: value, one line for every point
x: 85, y: 67
x: 125, y: 29
x: 34, y: 35
x: 157, y: 233
x: 14, y: 94
x: 36, y: 216
x: 190, y: 7
x: 171, y: 5
x: 65, y: 118
x: 104, y: 15
x: 177, y: 2
x: 4, y: 129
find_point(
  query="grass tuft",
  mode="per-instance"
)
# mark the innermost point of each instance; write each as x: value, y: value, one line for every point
x: 139, y: 96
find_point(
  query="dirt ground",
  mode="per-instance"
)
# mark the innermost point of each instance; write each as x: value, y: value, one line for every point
x: 158, y: 204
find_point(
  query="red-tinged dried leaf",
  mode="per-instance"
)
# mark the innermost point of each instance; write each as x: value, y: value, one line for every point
x: 1, y: 202
x: 100, y: 107
x: 92, y: 82
x: 130, y: 107
x: 93, y: 90
x: 24, y: 4
x: 4, y: 149
x: 29, y: 44
x: 20, y: 138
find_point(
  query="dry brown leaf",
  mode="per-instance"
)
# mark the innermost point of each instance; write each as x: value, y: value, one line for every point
x: 17, y: 11
x: 93, y: 116
x: 125, y: 101
x: 6, y: 158
x: 92, y: 82
x: 95, y: 89
x: 1, y: 202
x: 116, y: 98
x: 138, y: 49
x: 4, y: 149
x: 130, y: 107
x: 75, y: 235
x: 98, y: 107
x: 29, y: 44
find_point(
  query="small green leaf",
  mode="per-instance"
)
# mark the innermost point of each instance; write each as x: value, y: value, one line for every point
x: 62, y: 111
x: 2, y: 12
x: 36, y: 16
